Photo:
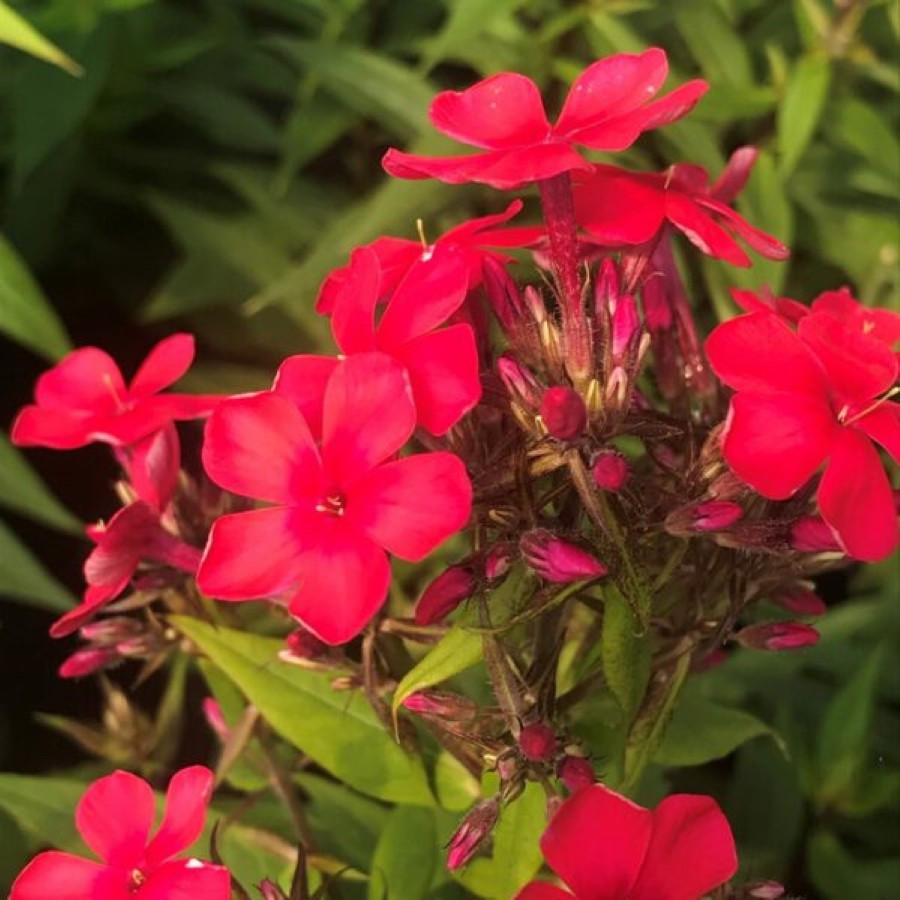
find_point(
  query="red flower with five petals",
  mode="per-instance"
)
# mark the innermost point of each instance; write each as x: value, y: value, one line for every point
x: 607, y: 108
x: 339, y: 506
x: 814, y: 396
x: 604, y: 847
x: 115, y: 817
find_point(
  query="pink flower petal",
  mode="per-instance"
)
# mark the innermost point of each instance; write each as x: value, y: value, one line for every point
x: 86, y: 379
x: 503, y: 111
x: 302, y: 379
x: 691, y: 850
x: 115, y: 816
x: 700, y: 229
x: 164, y: 365
x: 432, y: 290
x: 121, y: 544
x: 344, y: 582
x: 883, y: 426
x: 735, y: 175
x: 255, y: 554
x: 411, y: 505
x: 353, y: 315
x: 186, y: 879
x: 618, y: 207
x: 443, y: 372
x: 882, y: 324
x: 60, y: 429
x: 187, y: 797
x: 776, y: 442
x: 596, y: 843
x: 369, y: 415
x: 153, y: 465
x: 856, y: 499
x: 611, y: 87
x: 61, y: 876
x: 471, y: 231
x: 764, y: 244
x: 94, y: 600
x: 760, y: 353
x: 260, y: 446
x: 541, y: 890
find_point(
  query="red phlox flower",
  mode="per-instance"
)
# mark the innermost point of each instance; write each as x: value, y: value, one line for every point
x: 817, y: 395
x: 442, y: 363
x: 339, y: 506
x: 791, y: 311
x: 617, y: 208
x: 84, y: 398
x: 115, y: 817
x: 608, y: 107
x: 604, y: 847
x: 474, y: 240
x: 135, y: 534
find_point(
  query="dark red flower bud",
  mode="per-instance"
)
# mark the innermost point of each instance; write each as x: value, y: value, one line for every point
x: 503, y: 295
x: 576, y: 772
x: 801, y: 601
x: 537, y: 742
x: 557, y: 560
x: 303, y: 644
x: 270, y: 891
x: 111, y: 631
x: 610, y: 471
x: 712, y: 515
x: 521, y: 384
x: 497, y: 561
x: 444, y: 594
x: 84, y: 662
x: 439, y: 704
x: 563, y: 413
x: 777, y: 636
x: 626, y: 327
x: 475, y: 828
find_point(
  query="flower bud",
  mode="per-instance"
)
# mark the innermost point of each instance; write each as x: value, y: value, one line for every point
x: 111, y: 630
x: 270, y: 891
x: 777, y: 636
x: 444, y: 594
x: 557, y: 560
x: 497, y: 561
x: 519, y: 382
x: 801, y: 601
x: 610, y: 471
x: 537, y: 742
x: 303, y: 644
x: 439, y: 704
x: 563, y: 413
x: 762, y: 890
x: 212, y: 712
x: 576, y: 772
x: 626, y: 327
x: 811, y: 534
x: 711, y: 515
x: 606, y: 291
x: 475, y: 828
x: 85, y: 662
x: 503, y: 295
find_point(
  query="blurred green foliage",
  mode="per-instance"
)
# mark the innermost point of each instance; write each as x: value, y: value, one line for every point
x: 214, y: 160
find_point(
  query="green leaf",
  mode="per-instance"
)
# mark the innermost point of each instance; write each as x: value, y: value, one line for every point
x: 457, y: 650
x: 22, y: 490
x: 715, y: 44
x: 802, y: 107
x: 517, y: 851
x: 337, y: 730
x: 25, y: 314
x: 702, y: 730
x: 838, y: 875
x: 456, y: 788
x: 17, y: 32
x: 406, y: 857
x: 625, y: 652
x: 24, y: 578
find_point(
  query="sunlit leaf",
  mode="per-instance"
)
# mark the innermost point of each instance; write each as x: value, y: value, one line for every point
x: 18, y: 32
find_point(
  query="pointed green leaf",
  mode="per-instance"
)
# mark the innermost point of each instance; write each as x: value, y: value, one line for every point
x: 406, y: 857
x: 17, y: 32
x: 715, y: 43
x: 802, y: 108
x: 625, y: 652
x: 517, y: 851
x: 22, y: 576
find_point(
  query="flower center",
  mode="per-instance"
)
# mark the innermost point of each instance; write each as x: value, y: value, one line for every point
x: 136, y: 879
x: 333, y: 504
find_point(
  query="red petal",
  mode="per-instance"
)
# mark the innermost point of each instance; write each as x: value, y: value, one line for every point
x: 411, y: 505
x: 345, y: 582
x: 60, y: 429
x: 153, y: 464
x: 859, y: 366
x: 883, y: 425
x: 443, y: 371
x: 501, y: 169
x: 691, y: 850
x: 596, y: 843
x: 609, y: 88
x: 94, y: 599
x: 115, y: 816
x: 254, y: 554
x: 700, y: 229
x: 882, y: 324
x: 433, y: 289
x: 87, y: 379
x: 260, y: 446
x: 470, y: 231
x: 502, y: 111
x: 61, y: 876
x: 302, y: 379
x: 187, y: 879
x: 856, y: 499
x: 186, y: 800
x: 618, y: 207
x: 353, y: 316
x: 776, y: 442
x: 541, y: 890
x: 735, y: 175
x: 126, y: 538
x: 760, y: 241
x: 369, y: 415
x: 761, y: 353
x: 164, y: 365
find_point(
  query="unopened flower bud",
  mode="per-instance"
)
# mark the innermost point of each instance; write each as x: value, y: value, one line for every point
x: 303, y: 644
x: 557, y: 560
x: 85, y: 662
x: 503, y: 295
x: 626, y: 327
x: 439, y: 704
x: 563, y: 413
x: 811, y: 534
x: 711, y: 515
x: 110, y: 631
x: 616, y: 392
x: 444, y: 594
x: 140, y: 647
x: 537, y: 742
x: 270, y: 891
x: 507, y: 767
x: 212, y: 712
x: 610, y: 471
x: 801, y: 601
x: 777, y: 636
x: 521, y: 384
x: 606, y: 291
x: 475, y: 828
x: 497, y: 561
x: 576, y: 772
x: 763, y: 890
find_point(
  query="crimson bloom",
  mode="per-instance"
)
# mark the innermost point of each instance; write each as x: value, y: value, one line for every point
x: 442, y: 363
x: 474, y: 240
x: 84, y: 398
x: 817, y: 395
x: 604, y: 847
x: 115, y: 817
x: 339, y: 506
x: 608, y: 107
x: 617, y: 208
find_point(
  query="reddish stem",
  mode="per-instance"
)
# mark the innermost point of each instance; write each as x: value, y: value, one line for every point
x: 559, y: 216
